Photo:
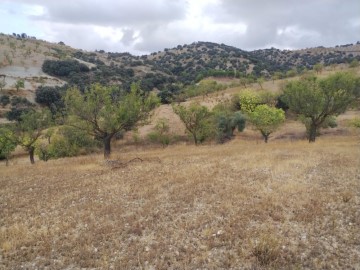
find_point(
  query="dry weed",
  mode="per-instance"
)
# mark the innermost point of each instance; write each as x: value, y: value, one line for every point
x: 241, y: 205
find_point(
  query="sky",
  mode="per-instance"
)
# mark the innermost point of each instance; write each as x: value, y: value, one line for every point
x: 141, y: 27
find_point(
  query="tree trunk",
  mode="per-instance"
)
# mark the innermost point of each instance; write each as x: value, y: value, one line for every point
x: 195, y: 139
x: 312, y: 132
x: 7, y: 161
x: 266, y: 137
x: 107, y: 146
x: 31, y: 154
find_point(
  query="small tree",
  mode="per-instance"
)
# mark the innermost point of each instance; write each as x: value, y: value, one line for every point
x: 104, y: 111
x: 7, y: 144
x: 266, y: 119
x: 2, y: 84
x: 19, y: 84
x: 317, y: 100
x: 318, y: 68
x: 197, y: 120
x: 260, y: 82
x: 227, y: 120
x: 28, y: 130
x: 226, y: 123
x: 248, y: 100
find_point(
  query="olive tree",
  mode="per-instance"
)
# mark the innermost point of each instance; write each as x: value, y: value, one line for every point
x: 227, y: 120
x: 104, y: 111
x: 316, y: 100
x: 266, y: 119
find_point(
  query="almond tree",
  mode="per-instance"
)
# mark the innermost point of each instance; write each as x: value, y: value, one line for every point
x: 19, y: 84
x: 266, y: 119
x: 104, y: 111
x: 197, y: 120
x: 28, y: 130
x: 316, y: 100
x: 7, y: 144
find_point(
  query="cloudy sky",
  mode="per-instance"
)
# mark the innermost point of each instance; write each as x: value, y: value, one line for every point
x: 141, y: 27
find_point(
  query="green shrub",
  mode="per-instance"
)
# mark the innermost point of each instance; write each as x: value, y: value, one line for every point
x: 203, y: 88
x: 4, y: 100
x: 226, y: 123
x: 161, y: 134
x: 66, y: 142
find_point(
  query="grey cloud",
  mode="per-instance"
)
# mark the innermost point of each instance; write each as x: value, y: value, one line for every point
x: 109, y: 12
x: 329, y: 19
x: 147, y: 26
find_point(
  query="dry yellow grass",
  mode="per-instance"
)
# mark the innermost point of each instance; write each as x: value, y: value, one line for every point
x: 242, y: 205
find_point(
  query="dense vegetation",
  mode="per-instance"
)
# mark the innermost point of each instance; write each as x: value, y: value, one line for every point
x: 174, y: 69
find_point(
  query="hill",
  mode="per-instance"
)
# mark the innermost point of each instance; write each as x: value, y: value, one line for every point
x: 23, y: 57
x: 40, y: 63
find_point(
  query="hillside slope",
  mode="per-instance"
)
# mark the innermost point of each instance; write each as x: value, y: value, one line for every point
x: 23, y: 58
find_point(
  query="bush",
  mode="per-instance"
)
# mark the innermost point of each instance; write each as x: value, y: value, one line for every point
x: 63, y: 68
x: 355, y: 122
x: 226, y: 123
x: 20, y: 101
x: 15, y: 113
x: 4, y: 100
x: 51, y: 97
x: 47, y: 95
x: 161, y: 133
x: 66, y: 142
x: 203, y: 88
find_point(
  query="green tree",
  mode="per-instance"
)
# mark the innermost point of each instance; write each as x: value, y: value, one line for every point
x: 2, y: 84
x: 316, y: 100
x: 318, y: 68
x: 28, y: 130
x: 260, y: 82
x: 19, y: 84
x: 277, y: 76
x: 227, y: 123
x: 266, y: 119
x: 227, y: 119
x: 248, y: 100
x: 7, y: 144
x: 103, y: 111
x: 197, y: 120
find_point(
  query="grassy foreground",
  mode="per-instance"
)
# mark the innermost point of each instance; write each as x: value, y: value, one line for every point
x: 242, y: 205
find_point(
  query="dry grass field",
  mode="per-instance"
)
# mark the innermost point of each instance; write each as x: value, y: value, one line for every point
x: 241, y: 205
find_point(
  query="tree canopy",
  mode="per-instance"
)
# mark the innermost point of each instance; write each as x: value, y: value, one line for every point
x: 197, y: 120
x: 28, y: 130
x: 7, y: 144
x: 266, y: 119
x: 315, y: 100
x: 104, y: 111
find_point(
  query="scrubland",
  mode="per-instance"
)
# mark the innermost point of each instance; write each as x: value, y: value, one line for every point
x: 287, y: 204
